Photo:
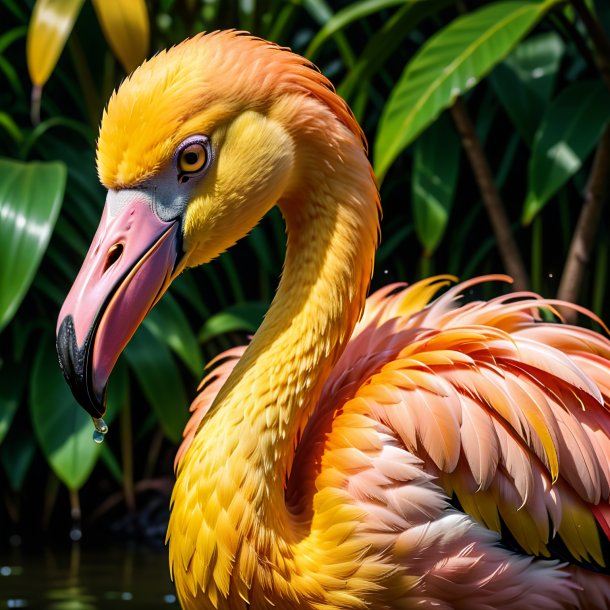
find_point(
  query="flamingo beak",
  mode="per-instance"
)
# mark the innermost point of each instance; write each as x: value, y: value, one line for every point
x: 131, y: 262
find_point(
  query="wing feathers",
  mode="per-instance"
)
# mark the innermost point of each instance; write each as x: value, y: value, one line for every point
x: 510, y: 412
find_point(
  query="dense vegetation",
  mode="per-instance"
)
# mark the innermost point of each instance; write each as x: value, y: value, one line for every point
x: 488, y: 126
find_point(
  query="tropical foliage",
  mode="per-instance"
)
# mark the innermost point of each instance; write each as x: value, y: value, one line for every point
x: 488, y: 123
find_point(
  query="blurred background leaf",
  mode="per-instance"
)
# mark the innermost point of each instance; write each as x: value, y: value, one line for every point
x: 30, y: 199
x: 436, y: 160
x: 49, y: 28
x: 570, y: 129
x: 63, y: 430
x: 159, y: 378
x: 524, y: 81
x: 126, y: 28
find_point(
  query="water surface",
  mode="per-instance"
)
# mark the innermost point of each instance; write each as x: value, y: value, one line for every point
x: 80, y: 579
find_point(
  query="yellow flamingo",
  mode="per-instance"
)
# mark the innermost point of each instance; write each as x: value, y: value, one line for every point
x: 398, y: 453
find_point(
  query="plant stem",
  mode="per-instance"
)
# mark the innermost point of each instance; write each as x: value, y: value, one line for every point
x: 509, y: 252
x: 537, y: 247
x: 35, y: 105
x: 50, y: 498
x: 601, y: 43
x: 586, y: 228
x: 75, y: 511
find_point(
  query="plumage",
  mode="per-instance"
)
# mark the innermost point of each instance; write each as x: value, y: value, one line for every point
x: 411, y: 451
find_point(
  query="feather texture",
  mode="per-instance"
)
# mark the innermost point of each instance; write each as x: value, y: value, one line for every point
x: 509, y: 420
x: 403, y: 452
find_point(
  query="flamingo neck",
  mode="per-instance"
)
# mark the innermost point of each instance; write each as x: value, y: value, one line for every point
x: 245, y: 446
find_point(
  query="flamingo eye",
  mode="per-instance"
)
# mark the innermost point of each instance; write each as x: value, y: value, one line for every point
x: 192, y: 158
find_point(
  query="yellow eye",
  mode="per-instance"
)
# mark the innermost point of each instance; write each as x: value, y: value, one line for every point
x: 192, y: 158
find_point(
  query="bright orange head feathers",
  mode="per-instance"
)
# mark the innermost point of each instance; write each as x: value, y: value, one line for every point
x: 193, y: 88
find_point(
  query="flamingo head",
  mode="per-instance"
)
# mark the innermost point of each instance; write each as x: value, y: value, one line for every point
x: 193, y: 150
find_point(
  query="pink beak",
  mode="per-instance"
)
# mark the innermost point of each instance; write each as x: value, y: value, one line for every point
x: 129, y: 265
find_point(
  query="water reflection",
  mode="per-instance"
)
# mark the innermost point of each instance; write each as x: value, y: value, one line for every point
x: 86, y: 579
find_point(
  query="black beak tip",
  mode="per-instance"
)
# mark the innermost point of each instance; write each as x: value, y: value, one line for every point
x: 74, y: 363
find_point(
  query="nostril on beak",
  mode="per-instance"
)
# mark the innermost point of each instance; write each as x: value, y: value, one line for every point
x: 113, y: 256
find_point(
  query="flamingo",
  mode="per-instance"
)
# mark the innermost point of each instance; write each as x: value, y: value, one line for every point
x: 402, y: 451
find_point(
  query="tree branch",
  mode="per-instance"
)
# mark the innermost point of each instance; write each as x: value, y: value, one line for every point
x: 579, y: 255
x: 511, y: 257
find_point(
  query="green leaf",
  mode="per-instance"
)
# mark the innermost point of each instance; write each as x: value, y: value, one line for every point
x: 280, y: 23
x: 349, y: 14
x: 63, y: 429
x: 160, y: 381
x: 11, y: 76
x: 570, y: 128
x: 243, y: 317
x: 524, y: 81
x: 167, y: 322
x: 450, y: 63
x: 11, y: 127
x: 385, y: 41
x: 436, y: 160
x: 8, y: 38
x: 42, y: 128
x: 12, y: 382
x: 30, y: 199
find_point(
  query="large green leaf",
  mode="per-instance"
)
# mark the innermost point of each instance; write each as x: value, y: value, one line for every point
x: 446, y: 66
x: 570, y: 128
x: 524, y: 81
x: 63, y: 429
x: 436, y: 161
x: 352, y: 12
x: 167, y: 322
x: 30, y: 199
x: 160, y: 381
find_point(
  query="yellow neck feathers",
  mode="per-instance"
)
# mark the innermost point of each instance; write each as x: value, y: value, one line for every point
x: 231, y: 532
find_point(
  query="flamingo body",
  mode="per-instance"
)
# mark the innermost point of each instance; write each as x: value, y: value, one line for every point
x: 406, y: 452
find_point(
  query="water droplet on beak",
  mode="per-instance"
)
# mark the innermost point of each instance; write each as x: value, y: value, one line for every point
x: 100, y: 430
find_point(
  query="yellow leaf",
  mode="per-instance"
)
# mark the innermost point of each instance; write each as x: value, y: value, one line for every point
x: 125, y: 25
x: 50, y: 26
